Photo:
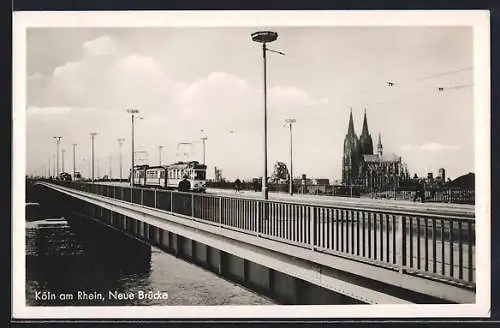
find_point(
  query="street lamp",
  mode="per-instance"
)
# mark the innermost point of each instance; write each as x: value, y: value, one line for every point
x: 62, y: 151
x: 58, y: 140
x: 54, y: 166
x: 110, y: 163
x: 264, y: 37
x: 203, y: 139
x: 74, y: 163
x: 290, y: 122
x: 50, y: 169
x: 132, y: 112
x: 159, y: 153
x: 92, y: 135
x: 120, y: 142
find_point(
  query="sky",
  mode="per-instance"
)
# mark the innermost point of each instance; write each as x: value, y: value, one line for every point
x: 189, y: 82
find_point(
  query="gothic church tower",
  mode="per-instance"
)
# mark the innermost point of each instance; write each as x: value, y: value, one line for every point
x: 365, y: 140
x: 351, y: 158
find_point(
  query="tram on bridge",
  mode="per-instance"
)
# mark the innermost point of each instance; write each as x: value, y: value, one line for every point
x: 169, y: 176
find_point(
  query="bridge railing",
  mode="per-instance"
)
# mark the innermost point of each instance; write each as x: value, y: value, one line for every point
x: 436, y: 246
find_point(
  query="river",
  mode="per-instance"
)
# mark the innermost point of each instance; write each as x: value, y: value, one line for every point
x: 86, y: 264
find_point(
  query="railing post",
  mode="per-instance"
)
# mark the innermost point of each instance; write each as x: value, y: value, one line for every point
x: 220, y: 212
x: 402, y: 243
x: 259, y: 217
x: 172, y: 201
x: 155, y: 191
x: 142, y: 196
x: 192, y: 205
x: 313, y: 227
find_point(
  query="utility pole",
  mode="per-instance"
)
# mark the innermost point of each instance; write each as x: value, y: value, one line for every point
x: 265, y: 37
x: 120, y: 142
x: 74, y: 163
x: 50, y: 171
x: 62, y: 151
x: 159, y: 153
x: 132, y: 112
x: 290, y: 122
x: 92, y: 135
x: 54, y: 165
x: 203, y: 139
x: 110, y: 162
x: 58, y: 140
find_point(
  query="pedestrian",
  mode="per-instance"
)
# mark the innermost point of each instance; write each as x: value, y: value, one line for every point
x: 255, y: 185
x: 420, y: 192
x: 237, y: 185
x: 185, y: 201
x: 185, y: 185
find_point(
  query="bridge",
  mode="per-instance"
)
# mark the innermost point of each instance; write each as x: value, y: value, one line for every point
x: 300, y: 251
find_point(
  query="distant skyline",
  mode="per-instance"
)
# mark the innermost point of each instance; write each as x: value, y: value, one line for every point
x: 184, y: 80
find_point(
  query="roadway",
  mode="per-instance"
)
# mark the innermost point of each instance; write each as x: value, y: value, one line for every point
x: 459, y: 210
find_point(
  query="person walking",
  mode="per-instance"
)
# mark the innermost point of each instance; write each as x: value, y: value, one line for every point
x: 420, y: 192
x: 237, y: 185
x: 185, y: 185
x: 256, y: 185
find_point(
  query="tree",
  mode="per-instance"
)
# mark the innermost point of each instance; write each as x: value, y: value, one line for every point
x: 280, y: 171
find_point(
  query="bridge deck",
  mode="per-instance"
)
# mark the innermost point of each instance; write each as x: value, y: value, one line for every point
x: 437, y: 247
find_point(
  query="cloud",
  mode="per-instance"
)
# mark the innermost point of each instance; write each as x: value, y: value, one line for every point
x: 101, y: 46
x: 430, y: 147
x: 286, y: 97
x: 34, y: 110
x: 91, y: 95
x: 433, y: 146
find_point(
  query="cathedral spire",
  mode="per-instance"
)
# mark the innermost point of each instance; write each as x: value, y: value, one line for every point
x: 365, y: 125
x: 350, y: 130
x: 379, y: 146
x: 366, y: 143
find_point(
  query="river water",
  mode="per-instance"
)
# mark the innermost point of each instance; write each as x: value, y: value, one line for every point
x: 84, y: 263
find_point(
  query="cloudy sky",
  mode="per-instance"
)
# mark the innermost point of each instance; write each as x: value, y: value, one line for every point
x: 184, y: 80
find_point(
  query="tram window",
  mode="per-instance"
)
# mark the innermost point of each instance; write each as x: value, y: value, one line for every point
x: 200, y: 175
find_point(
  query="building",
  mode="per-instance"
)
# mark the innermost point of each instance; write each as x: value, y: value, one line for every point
x: 442, y: 174
x: 360, y: 166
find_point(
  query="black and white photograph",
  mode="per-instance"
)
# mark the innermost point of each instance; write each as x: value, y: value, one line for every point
x: 251, y: 164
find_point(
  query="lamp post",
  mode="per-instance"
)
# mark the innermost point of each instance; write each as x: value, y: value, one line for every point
x: 290, y: 122
x: 204, y: 139
x: 50, y: 170
x: 120, y: 143
x: 132, y: 112
x: 58, y: 140
x: 264, y: 37
x: 74, y: 162
x: 110, y: 163
x: 92, y: 135
x: 62, y: 155
x: 159, y: 154
x: 54, y: 165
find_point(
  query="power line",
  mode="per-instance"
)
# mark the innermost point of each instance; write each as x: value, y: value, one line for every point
x: 428, y: 77
x: 432, y: 91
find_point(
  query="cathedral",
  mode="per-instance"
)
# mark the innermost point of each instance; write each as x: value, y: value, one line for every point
x: 361, y: 167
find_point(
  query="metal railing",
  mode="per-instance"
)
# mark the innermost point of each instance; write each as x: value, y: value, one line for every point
x: 439, y: 246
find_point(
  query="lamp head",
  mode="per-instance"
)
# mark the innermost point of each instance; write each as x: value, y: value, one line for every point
x: 264, y: 36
